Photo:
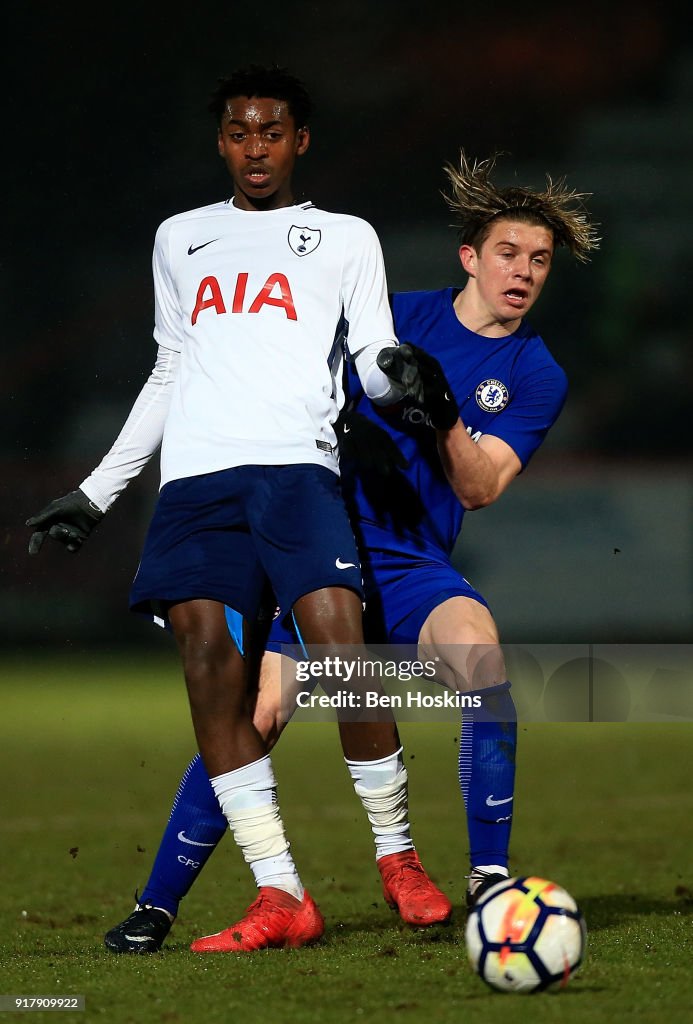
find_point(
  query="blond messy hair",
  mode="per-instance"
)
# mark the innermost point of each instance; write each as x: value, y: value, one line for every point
x: 476, y: 202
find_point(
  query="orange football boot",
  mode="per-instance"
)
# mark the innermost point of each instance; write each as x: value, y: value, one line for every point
x: 408, y: 889
x: 275, y: 919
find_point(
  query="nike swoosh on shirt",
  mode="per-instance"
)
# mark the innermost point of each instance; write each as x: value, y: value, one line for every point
x: 490, y: 802
x: 184, y: 839
x: 194, y: 248
x: 344, y: 565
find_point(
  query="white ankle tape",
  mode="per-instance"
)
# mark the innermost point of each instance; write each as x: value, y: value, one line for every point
x: 259, y: 832
x: 386, y: 807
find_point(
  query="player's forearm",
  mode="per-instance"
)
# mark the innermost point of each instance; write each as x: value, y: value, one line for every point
x: 140, y: 437
x: 470, y: 472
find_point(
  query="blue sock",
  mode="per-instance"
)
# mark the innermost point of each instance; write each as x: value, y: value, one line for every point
x: 194, y: 829
x: 488, y: 744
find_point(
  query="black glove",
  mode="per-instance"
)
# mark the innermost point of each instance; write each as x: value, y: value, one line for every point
x: 69, y: 520
x: 422, y: 378
x: 400, y: 367
x: 370, y: 448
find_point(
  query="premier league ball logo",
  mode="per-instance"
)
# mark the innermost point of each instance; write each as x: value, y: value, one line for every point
x: 492, y: 395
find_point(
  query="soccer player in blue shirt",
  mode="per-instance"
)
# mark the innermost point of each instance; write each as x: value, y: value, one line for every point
x: 484, y: 392
x: 487, y: 391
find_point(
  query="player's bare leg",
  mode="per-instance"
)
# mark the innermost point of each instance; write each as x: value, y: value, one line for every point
x: 462, y: 633
x: 216, y: 680
x: 332, y: 618
x: 275, y: 701
x: 241, y: 775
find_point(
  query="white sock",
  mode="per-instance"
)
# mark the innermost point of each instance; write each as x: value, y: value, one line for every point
x: 382, y: 787
x: 480, y: 871
x: 489, y: 869
x: 248, y: 798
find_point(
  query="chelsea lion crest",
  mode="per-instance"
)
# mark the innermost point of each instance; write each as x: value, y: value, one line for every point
x: 304, y: 240
x: 492, y: 395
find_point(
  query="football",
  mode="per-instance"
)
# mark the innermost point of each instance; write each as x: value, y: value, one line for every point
x: 526, y: 935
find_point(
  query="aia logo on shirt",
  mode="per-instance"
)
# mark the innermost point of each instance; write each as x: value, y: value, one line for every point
x: 492, y: 395
x: 276, y: 291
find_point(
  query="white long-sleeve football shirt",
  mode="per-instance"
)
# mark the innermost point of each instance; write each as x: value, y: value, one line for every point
x: 253, y: 301
x: 255, y: 306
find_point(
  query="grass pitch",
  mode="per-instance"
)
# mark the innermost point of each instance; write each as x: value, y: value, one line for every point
x: 91, y: 750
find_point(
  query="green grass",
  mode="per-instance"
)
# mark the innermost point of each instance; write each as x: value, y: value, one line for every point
x: 90, y: 754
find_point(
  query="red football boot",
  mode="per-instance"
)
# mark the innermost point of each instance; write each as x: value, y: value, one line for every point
x: 408, y: 889
x: 275, y: 919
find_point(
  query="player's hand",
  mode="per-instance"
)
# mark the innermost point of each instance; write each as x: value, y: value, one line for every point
x: 423, y: 379
x: 369, y: 447
x: 69, y: 520
x: 399, y: 366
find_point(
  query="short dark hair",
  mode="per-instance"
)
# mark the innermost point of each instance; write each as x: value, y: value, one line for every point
x: 256, y: 80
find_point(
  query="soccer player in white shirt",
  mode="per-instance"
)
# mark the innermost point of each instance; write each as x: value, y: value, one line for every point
x: 253, y: 297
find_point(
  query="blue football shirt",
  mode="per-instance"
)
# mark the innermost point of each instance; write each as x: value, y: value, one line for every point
x: 510, y: 387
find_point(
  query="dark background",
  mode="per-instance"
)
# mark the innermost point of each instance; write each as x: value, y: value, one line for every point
x: 107, y: 133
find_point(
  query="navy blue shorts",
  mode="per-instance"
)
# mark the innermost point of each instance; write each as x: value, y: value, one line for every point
x: 222, y: 535
x: 401, y: 592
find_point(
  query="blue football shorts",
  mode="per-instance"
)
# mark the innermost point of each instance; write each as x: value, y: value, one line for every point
x: 401, y: 592
x: 222, y: 536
